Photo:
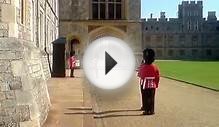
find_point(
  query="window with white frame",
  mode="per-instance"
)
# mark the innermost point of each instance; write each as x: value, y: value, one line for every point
x: 41, y: 30
x: 106, y: 9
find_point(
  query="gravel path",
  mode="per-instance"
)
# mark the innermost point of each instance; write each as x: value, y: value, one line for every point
x: 177, y: 105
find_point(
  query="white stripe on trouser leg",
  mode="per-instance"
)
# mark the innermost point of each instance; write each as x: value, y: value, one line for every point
x: 145, y: 81
x: 141, y: 81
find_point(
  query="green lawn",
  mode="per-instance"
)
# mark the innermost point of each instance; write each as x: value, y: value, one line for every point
x: 203, y: 73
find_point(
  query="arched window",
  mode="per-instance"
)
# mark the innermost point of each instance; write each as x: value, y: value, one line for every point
x: 106, y: 9
x: 146, y: 28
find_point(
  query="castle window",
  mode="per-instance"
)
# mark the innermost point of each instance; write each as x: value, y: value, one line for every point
x: 102, y: 11
x: 189, y: 25
x: 208, y: 52
x: 146, y: 28
x: 194, y: 52
x: 106, y: 9
x: 152, y: 27
x: 170, y: 38
x: 196, y: 25
x: 41, y: 30
x: 22, y: 11
x: 0, y: 14
x: 182, y: 38
x: 55, y: 4
x: 182, y: 52
x: 159, y: 53
x: 118, y: 10
x: 217, y: 28
x: 157, y: 28
x: 158, y: 38
x: 194, y: 38
x: 170, y: 52
x: 95, y: 10
x: 111, y: 10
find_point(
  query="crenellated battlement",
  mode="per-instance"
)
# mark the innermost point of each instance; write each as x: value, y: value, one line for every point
x: 188, y: 3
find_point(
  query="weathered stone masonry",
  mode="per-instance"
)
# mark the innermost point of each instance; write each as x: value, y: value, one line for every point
x: 27, y: 28
x: 24, y: 100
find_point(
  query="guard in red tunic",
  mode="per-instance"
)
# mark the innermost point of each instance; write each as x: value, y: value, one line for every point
x: 149, y: 80
x: 72, y: 62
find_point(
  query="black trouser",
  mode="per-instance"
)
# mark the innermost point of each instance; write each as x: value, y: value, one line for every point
x: 142, y: 98
x: 72, y: 72
x: 148, y: 99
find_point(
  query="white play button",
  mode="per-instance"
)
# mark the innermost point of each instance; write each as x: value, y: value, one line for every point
x: 108, y: 63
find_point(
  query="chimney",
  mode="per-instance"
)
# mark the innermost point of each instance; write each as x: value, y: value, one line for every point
x: 212, y: 16
x: 151, y: 15
x: 162, y: 15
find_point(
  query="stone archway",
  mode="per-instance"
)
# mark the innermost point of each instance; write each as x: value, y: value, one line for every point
x: 74, y: 45
x: 106, y: 31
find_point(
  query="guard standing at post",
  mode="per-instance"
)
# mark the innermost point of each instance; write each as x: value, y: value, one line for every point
x: 149, y: 80
x: 72, y: 62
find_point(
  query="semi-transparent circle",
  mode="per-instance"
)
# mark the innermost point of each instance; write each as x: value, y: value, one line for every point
x: 94, y: 63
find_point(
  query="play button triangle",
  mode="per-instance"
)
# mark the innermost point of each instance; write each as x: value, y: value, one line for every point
x: 110, y: 63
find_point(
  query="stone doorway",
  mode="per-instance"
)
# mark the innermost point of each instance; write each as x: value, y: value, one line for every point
x: 74, y: 45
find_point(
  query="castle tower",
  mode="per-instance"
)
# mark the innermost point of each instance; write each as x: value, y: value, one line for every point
x: 191, y: 14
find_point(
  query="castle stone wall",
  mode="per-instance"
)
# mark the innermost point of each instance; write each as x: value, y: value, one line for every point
x: 24, y: 99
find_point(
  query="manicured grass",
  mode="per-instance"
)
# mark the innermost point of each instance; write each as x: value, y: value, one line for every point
x: 203, y: 73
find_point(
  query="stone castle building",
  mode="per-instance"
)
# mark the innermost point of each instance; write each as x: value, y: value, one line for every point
x: 190, y: 36
x: 82, y: 21
x: 26, y: 29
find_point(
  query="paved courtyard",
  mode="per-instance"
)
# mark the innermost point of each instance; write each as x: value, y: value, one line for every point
x: 69, y: 94
x: 177, y: 105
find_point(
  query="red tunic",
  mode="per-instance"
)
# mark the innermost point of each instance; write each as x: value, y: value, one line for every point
x: 72, y: 62
x: 149, y: 76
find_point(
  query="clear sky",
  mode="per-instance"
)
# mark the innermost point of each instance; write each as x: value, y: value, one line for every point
x: 171, y: 7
